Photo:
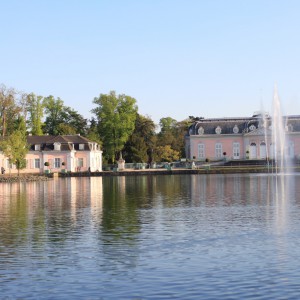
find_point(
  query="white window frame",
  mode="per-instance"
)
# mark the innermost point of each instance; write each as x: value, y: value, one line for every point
x: 37, y: 147
x: 201, y: 151
x: 57, y: 162
x: 236, y: 150
x: 81, y: 146
x: 218, y: 150
x: 37, y: 163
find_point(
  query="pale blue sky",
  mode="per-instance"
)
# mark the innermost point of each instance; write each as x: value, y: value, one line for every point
x: 213, y: 58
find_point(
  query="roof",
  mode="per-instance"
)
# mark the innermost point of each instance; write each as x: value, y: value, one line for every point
x: 68, y: 142
x: 239, y: 125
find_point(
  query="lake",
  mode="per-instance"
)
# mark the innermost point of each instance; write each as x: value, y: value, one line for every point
x: 151, y: 237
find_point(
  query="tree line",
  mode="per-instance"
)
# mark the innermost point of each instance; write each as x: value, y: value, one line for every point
x: 116, y: 125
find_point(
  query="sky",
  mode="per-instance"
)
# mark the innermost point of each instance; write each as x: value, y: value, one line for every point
x: 177, y: 58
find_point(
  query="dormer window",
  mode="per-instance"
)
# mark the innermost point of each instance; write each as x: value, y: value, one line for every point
x: 81, y: 146
x: 235, y: 129
x: 57, y: 146
x: 37, y: 147
x: 290, y: 128
x: 218, y: 130
x: 252, y: 127
x: 201, y: 130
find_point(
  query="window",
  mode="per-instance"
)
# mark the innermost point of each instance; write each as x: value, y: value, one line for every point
x: 201, y: 151
x: 37, y: 163
x: 37, y: 147
x: 263, y: 150
x: 201, y: 130
x: 236, y: 150
x: 218, y: 150
x: 218, y: 130
x: 57, y: 163
x: 80, y: 162
x: 57, y: 146
x: 290, y: 128
x: 81, y: 146
x: 235, y: 129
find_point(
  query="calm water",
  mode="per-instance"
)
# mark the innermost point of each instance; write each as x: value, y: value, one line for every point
x: 160, y: 237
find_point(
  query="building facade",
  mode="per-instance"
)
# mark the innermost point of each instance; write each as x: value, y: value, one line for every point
x: 241, y: 138
x: 60, y: 153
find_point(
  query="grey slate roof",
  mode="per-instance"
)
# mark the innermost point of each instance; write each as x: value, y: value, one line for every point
x: 244, y: 125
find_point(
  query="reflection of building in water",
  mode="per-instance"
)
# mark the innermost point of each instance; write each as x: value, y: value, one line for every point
x: 122, y: 186
x: 241, y: 189
x: 96, y: 196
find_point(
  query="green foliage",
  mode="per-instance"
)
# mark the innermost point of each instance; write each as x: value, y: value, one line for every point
x: 53, y: 110
x: 74, y: 120
x: 9, y: 110
x: 141, y: 143
x: 116, y: 116
x: 62, y: 119
x: 92, y: 132
x: 65, y: 129
x: 35, y: 108
x: 167, y: 124
x: 166, y: 153
x: 15, y: 149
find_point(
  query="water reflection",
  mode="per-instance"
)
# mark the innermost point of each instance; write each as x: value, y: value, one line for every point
x: 199, y: 236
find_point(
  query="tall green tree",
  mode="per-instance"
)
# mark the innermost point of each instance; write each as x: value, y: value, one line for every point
x: 92, y: 131
x: 141, y: 143
x: 15, y: 148
x: 35, y: 108
x: 9, y: 109
x: 53, y: 111
x: 61, y: 119
x: 116, y: 116
x: 75, y: 121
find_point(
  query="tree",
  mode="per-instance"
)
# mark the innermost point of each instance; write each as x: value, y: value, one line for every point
x: 53, y: 110
x: 62, y: 119
x: 116, y: 116
x: 141, y: 143
x: 35, y: 108
x: 74, y: 120
x: 92, y: 132
x: 167, y: 124
x: 166, y: 153
x: 9, y: 110
x: 15, y: 149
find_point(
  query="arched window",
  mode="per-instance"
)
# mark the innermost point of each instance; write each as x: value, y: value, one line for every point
x: 262, y: 150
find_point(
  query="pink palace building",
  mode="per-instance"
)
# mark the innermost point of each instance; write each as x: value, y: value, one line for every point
x: 240, y: 138
x: 62, y: 153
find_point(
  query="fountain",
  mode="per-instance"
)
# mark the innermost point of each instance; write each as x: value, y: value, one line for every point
x: 279, y: 145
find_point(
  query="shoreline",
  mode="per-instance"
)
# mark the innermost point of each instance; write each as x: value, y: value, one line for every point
x: 177, y: 171
x: 10, y: 178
